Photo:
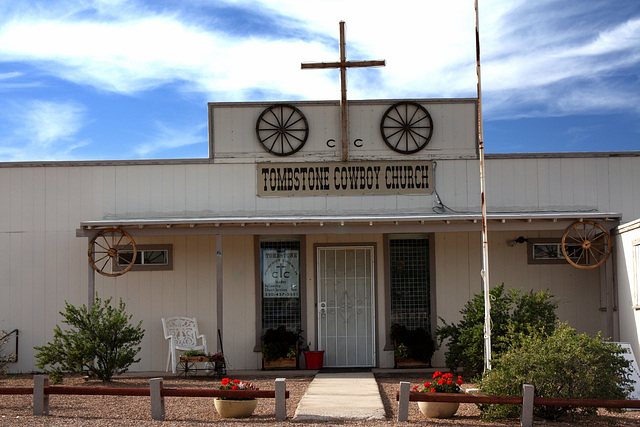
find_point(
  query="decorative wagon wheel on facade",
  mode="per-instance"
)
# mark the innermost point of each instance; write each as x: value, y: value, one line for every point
x: 282, y: 129
x: 112, y: 252
x: 586, y: 245
x: 406, y: 127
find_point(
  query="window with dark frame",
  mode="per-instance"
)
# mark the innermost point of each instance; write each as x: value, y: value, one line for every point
x: 148, y: 258
x: 549, y: 251
x: 280, y: 271
x: 410, y: 285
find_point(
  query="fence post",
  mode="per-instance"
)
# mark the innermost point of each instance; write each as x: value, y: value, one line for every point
x: 281, y: 401
x: 40, y: 399
x: 403, y: 401
x: 157, y: 399
x: 526, y: 417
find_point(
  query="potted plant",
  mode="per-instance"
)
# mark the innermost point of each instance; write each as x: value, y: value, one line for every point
x: 441, y: 383
x: 313, y: 359
x: 280, y: 348
x: 412, y: 347
x: 235, y: 407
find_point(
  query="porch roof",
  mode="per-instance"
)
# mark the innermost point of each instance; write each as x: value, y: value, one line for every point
x: 348, y: 223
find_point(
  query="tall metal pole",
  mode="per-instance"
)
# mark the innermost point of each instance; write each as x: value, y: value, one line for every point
x: 344, y: 108
x: 483, y: 201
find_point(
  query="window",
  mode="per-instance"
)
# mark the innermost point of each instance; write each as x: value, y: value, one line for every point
x: 280, y: 283
x: 549, y: 251
x: 148, y: 258
x: 409, y: 280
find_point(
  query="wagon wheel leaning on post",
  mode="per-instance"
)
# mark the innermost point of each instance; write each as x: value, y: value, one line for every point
x: 586, y: 245
x: 112, y: 252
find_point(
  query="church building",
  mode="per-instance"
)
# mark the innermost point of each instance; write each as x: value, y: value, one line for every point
x: 337, y: 224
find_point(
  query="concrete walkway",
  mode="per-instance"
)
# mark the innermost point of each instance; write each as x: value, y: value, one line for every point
x: 344, y: 396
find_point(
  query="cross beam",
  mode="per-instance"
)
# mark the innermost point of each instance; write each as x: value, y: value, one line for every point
x: 343, y: 64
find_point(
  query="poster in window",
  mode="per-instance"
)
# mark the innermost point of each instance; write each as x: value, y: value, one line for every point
x: 280, y: 273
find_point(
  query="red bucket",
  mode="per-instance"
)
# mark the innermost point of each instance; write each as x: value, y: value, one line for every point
x: 314, y: 359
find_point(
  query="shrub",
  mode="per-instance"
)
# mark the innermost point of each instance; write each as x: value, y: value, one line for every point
x: 5, y: 358
x: 412, y: 343
x: 511, y: 312
x: 560, y: 364
x: 100, y: 341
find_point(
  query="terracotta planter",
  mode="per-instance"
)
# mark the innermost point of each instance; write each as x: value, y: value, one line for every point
x: 438, y: 409
x: 235, y: 408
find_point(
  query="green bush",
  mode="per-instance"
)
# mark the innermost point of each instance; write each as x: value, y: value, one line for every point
x: 100, y: 342
x: 560, y: 364
x: 412, y: 343
x: 5, y: 358
x: 511, y: 312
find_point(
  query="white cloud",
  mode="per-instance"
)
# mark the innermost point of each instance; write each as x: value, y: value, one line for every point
x: 47, y: 128
x: 48, y: 122
x: 167, y: 138
x: 429, y: 46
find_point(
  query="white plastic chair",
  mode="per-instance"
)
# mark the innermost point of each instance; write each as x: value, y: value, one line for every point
x: 182, y: 333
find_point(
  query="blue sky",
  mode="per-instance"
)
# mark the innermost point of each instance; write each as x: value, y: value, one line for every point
x: 116, y: 79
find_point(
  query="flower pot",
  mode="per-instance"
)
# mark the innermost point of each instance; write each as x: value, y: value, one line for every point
x: 438, y: 409
x: 314, y: 359
x: 235, y: 408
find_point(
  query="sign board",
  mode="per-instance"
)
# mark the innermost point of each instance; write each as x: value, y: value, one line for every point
x: 281, y: 273
x: 344, y: 178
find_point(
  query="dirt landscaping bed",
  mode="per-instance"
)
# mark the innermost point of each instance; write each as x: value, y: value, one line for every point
x: 70, y: 410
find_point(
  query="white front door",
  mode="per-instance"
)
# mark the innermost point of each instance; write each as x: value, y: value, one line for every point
x: 346, y: 315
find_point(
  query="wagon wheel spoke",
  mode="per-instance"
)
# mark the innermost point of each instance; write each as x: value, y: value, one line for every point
x: 107, y: 251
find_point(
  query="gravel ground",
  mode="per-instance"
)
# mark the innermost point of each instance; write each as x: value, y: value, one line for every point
x: 128, y: 411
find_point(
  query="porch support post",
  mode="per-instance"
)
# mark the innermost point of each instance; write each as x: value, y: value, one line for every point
x: 609, y: 292
x: 219, y: 286
x: 91, y: 285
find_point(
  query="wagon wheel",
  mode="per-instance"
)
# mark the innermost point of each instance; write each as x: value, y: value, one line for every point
x: 210, y: 368
x: 282, y: 129
x: 186, y: 369
x: 112, y: 252
x: 586, y: 245
x: 406, y: 127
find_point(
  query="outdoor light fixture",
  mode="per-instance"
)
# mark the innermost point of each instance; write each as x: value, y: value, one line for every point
x: 520, y: 239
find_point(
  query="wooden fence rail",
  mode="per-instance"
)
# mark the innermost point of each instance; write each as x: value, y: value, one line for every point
x: 527, y: 400
x: 42, y: 390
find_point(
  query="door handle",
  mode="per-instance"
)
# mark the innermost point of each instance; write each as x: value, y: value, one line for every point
x: 323, y: 308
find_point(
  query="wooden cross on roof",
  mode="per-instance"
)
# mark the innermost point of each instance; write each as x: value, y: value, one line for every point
x: 343, y: 65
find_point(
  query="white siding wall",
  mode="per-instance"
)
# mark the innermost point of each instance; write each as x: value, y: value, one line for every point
x: 627, y: 274
x: 187, y: 290
x: 234, y: 138
x: 564, y: 183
